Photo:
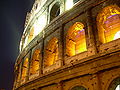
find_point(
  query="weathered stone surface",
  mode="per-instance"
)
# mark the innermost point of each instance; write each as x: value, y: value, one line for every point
x: 94, y: 69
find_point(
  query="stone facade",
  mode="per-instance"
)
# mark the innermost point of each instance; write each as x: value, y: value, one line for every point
x: 96, y: 68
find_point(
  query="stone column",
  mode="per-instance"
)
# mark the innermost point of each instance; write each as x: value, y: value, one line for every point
x: 62, y: 7
x: 29, y: 60
x: 21, y: 70
x: 96, y: 82
x: 60, y: 85
x: 91, y: 44
x: 15, y: 80
x: 62, y: 44
x: 42, y: 55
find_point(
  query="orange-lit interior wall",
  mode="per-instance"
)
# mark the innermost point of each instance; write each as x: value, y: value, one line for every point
x: 51, y: 52
x: 108, y: 23
x: 35, y: 62
x: 24, y: 69
x: 75, y: 39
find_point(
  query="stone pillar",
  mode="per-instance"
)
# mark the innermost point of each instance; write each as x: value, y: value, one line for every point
x: 29, y: 60
x: 60, y: 85
x: 40, y: 61
x: 20, y: 72
x: 62, y: 44
x: 15, y: 80
x: 42, y: 55
x: 62, y: 6
x: 91, y: 44
x: 48, y: 15
x: 96, y: 82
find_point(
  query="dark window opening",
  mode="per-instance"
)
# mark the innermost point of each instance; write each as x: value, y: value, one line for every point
x: 115, y: 84
x: 55, y: 11
x: 78, y: 88
x: 75, y: 1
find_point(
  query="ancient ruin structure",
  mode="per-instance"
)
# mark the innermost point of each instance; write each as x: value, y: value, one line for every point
x: 70, y: 45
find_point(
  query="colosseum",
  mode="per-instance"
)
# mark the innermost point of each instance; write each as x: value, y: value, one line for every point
x: 70, y: 45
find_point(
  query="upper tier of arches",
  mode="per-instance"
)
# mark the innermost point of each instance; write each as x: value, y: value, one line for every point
x: 76, y: 38
x: 42, y: 15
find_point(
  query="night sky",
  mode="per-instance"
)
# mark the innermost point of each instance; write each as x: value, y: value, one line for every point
x: 12, y: 16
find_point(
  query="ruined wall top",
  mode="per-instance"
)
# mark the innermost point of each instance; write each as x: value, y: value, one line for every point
x: 36, y: 7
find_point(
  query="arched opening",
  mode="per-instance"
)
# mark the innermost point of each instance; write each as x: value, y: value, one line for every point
x: 75, y: 39
x: 115, y: 84
x: 75, y: 1
x: 24, y: 69
x: 78, y: 88
x: 35, y: 63
x: 31, y: 35
x: 55, y: 11
x: 51, y: 52
x: 108, y: 23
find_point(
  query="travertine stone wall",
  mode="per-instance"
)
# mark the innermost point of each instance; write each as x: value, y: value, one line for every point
x: 94, y: 69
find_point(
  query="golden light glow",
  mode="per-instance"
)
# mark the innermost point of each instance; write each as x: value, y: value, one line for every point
x: 24, y: 69
x: 31, y: 35
x: 117, y: 35
x: 34, y: 65
x: 108, y: 23
x: 75, y: 39
x: 68, y: 4
x: 51, y: 52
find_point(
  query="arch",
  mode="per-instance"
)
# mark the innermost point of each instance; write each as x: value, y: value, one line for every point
x: 55, y: 11
x: 78, y: 88
x: 108, y: 23
x: 115, y: 84
x: 35, y: 62
x: 75, y: 1
x: 31, y: 35
x: 51, y: 52
x: 75, y: 39
x: 24, y: 69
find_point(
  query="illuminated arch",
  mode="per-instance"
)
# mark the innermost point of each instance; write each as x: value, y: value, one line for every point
x: 51, y: 52
x: 108, y: 23
x: 31, y: 35
x: 35, y: 62
x: 75, y: 39
x: 55, y: 11
x: 78, y: 88
x: 24, y: 69
x: 115, y: 84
